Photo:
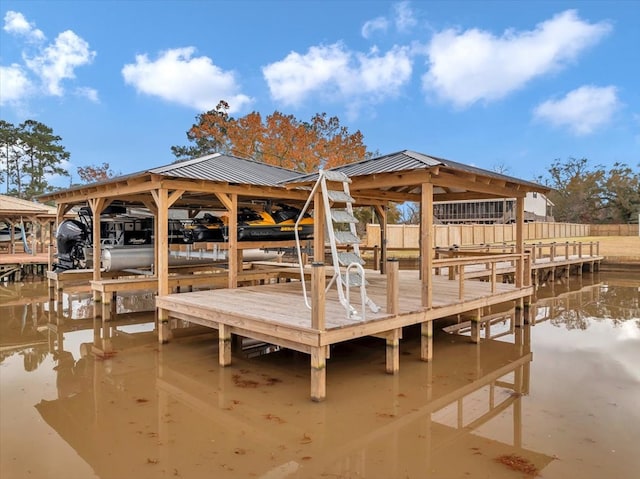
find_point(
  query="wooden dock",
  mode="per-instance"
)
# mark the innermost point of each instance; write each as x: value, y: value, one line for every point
x: 277, y: 314
x: 13, y: 266
x: 467, y: 286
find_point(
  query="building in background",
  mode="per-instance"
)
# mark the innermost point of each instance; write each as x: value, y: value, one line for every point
x: 537, y: 207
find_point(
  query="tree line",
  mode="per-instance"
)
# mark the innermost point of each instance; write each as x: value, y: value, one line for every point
x: 31, y: 153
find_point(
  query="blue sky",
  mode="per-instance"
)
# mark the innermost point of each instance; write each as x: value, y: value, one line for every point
x: 496, y: 84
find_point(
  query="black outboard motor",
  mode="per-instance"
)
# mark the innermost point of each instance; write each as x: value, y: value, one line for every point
x: 71, y: 237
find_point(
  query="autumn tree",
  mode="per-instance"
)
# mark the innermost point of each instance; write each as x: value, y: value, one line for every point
x: 95, y: 173
x: 279, y: 139
x: 31, y: 154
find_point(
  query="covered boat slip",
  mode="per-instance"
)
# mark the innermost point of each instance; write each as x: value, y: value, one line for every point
x: 277, y: 313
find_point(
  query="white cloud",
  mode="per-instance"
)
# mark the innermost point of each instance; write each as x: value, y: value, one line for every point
x: 15, y: 23
x: 404, y: 18
x: 58, y: 61
x: 339, y: 75
x: 89, y: 93
x: 379, y: 24
x: 178, y: 77
x: 14, y: 84
x: 582, y: 110
x: 475, y: 65
x: 46, y: 66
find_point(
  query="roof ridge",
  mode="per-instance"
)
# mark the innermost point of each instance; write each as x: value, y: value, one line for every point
x: 190, y: 161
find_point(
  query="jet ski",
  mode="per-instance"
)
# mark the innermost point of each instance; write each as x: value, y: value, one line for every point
x: 207, y: 228
x: 273, y: 226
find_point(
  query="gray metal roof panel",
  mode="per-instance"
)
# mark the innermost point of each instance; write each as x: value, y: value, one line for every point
x: 407, y: 160
x: 228, y: 169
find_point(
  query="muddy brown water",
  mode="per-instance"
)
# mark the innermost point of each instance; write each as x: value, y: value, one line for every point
x: 558, y: 398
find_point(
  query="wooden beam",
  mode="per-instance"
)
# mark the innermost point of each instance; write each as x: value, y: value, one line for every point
x: 225, y: 200
x: 388, y: 180
x: 173, y: 197
x: 458, y: 180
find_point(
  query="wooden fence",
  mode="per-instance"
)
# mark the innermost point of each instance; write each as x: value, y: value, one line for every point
x: 408, y: 236
x: 614, y: 230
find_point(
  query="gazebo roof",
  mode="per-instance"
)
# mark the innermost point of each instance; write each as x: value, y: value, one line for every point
x: 13, y: 207
x: 396, y: 177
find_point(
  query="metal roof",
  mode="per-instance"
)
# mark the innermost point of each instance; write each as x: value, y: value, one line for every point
x: 407, y: 160
x: 228, y: 169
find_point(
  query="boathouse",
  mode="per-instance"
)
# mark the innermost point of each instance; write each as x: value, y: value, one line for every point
x: 302, y: 307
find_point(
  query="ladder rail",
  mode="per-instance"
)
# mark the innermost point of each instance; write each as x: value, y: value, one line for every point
x: 363, y: 293
x: 297, y: 236
x: 343, y: 284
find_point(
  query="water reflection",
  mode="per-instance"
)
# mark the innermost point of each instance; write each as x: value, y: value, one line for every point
x: 128, y: 407
x: 616, y: 301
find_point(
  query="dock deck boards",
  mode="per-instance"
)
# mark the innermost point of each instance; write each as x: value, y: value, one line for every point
x: 277, y: 314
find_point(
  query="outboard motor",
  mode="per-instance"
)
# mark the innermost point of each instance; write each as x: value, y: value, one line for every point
x: 71, y: 237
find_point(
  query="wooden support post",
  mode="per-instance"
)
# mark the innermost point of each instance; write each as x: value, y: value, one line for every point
x: 381, y: 214
x: 318, y: 296
x: 224, y: 345
x: 393, y: 351
x: 426, y: 244
x: 96, y: 205
x: 106, y: 299
x: 519, y: 317
x: 52, y: 290
x: 376, y: 258
x: 318, y: 227
x: 393, y: 286
x: 318, y: 373
x: 519, y: 279
x: 426, y: 341
x: 475, y: 326
x: 318, y: 354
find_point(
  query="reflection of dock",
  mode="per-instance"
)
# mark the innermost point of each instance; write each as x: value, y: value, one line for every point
x: 189, y: 418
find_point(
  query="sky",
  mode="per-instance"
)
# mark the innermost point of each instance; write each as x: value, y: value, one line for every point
x: 507, y: 86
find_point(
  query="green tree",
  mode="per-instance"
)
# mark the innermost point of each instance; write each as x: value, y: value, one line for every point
x: 30, y: 154
x: 621, y: 194
x: 8, y: 141
x: 279, y: 139
x: 585, y: 194
x: 576, y: 190
x: 42, y: 155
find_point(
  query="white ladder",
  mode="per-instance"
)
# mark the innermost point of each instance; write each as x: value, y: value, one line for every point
x: 341, y: 230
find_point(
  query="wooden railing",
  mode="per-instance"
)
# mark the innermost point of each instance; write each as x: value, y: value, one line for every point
x: 488, y: 265
x: 563, y: 250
